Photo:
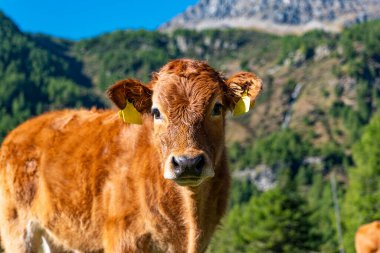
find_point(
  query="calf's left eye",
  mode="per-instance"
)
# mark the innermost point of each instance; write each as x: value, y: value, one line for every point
x: 156, y: 113
x: 217, y: 110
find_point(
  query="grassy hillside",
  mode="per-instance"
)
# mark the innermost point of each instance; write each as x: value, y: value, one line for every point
x: 320, y: 91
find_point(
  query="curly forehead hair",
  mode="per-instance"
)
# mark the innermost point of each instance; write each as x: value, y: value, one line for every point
x: 188, y: 69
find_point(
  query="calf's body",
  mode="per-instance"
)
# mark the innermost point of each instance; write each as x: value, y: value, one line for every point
x: 90, y: 182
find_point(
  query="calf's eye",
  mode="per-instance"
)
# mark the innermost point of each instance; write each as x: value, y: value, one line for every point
x: 156, y: 113
x: 217, y: 110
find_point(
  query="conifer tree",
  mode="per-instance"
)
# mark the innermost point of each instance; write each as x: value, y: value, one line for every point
x: 276, y: 221
x: 362, y: 200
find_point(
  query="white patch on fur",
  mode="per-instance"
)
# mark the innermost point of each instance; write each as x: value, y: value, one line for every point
x: 168, y: 173
x: 45, y: 246
x: 29, y: 235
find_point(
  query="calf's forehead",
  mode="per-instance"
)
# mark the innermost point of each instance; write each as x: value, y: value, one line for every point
x: 174, y: 93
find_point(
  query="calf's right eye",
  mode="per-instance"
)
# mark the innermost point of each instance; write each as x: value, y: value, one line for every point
x: 217, y: 110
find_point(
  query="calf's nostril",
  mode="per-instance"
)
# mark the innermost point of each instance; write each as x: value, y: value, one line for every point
x: 200, y: 163
x: 174, y: 162
x: 177, y: 166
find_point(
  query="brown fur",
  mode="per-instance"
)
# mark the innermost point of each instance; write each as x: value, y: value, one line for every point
x: 367, y: 238
x: 92, y: 182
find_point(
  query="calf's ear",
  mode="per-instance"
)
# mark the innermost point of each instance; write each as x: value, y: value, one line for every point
x: 132, y: 98
x: 242, y: 91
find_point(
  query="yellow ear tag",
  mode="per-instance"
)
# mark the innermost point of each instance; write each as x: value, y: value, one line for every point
x: 242, y: 106
x: 130, y: 115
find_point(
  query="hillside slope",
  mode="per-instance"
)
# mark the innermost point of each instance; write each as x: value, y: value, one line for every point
x: 317, y: 63
x: 36, y: 75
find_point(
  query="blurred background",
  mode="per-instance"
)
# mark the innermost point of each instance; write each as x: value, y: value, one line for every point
x: 305, y: 161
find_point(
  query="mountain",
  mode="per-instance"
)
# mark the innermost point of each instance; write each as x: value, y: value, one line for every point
x: 276, y: 16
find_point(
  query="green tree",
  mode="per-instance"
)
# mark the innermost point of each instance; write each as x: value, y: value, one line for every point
x: 323, y: 217
x: 275, y: 221
x: 242, y: 191
x: 286, y: 148
x: 362, y: 200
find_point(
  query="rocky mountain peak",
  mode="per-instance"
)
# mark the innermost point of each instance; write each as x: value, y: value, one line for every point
x: 284, y: 16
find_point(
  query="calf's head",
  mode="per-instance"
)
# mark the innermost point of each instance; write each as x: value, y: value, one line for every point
x: 188, y: 101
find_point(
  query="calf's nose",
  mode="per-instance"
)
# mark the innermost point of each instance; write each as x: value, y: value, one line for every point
x: 185, y: 166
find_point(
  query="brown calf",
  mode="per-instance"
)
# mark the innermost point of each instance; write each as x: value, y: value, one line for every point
x: 89, y: 182
x: 367, y: 238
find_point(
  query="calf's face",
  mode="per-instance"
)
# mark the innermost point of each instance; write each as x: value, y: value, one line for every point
x: 188, y: 101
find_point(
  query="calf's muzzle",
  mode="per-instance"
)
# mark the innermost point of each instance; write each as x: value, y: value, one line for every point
x: 188, y: 167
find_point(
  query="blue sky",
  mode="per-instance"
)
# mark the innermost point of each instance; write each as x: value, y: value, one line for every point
x: 76, y: 19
